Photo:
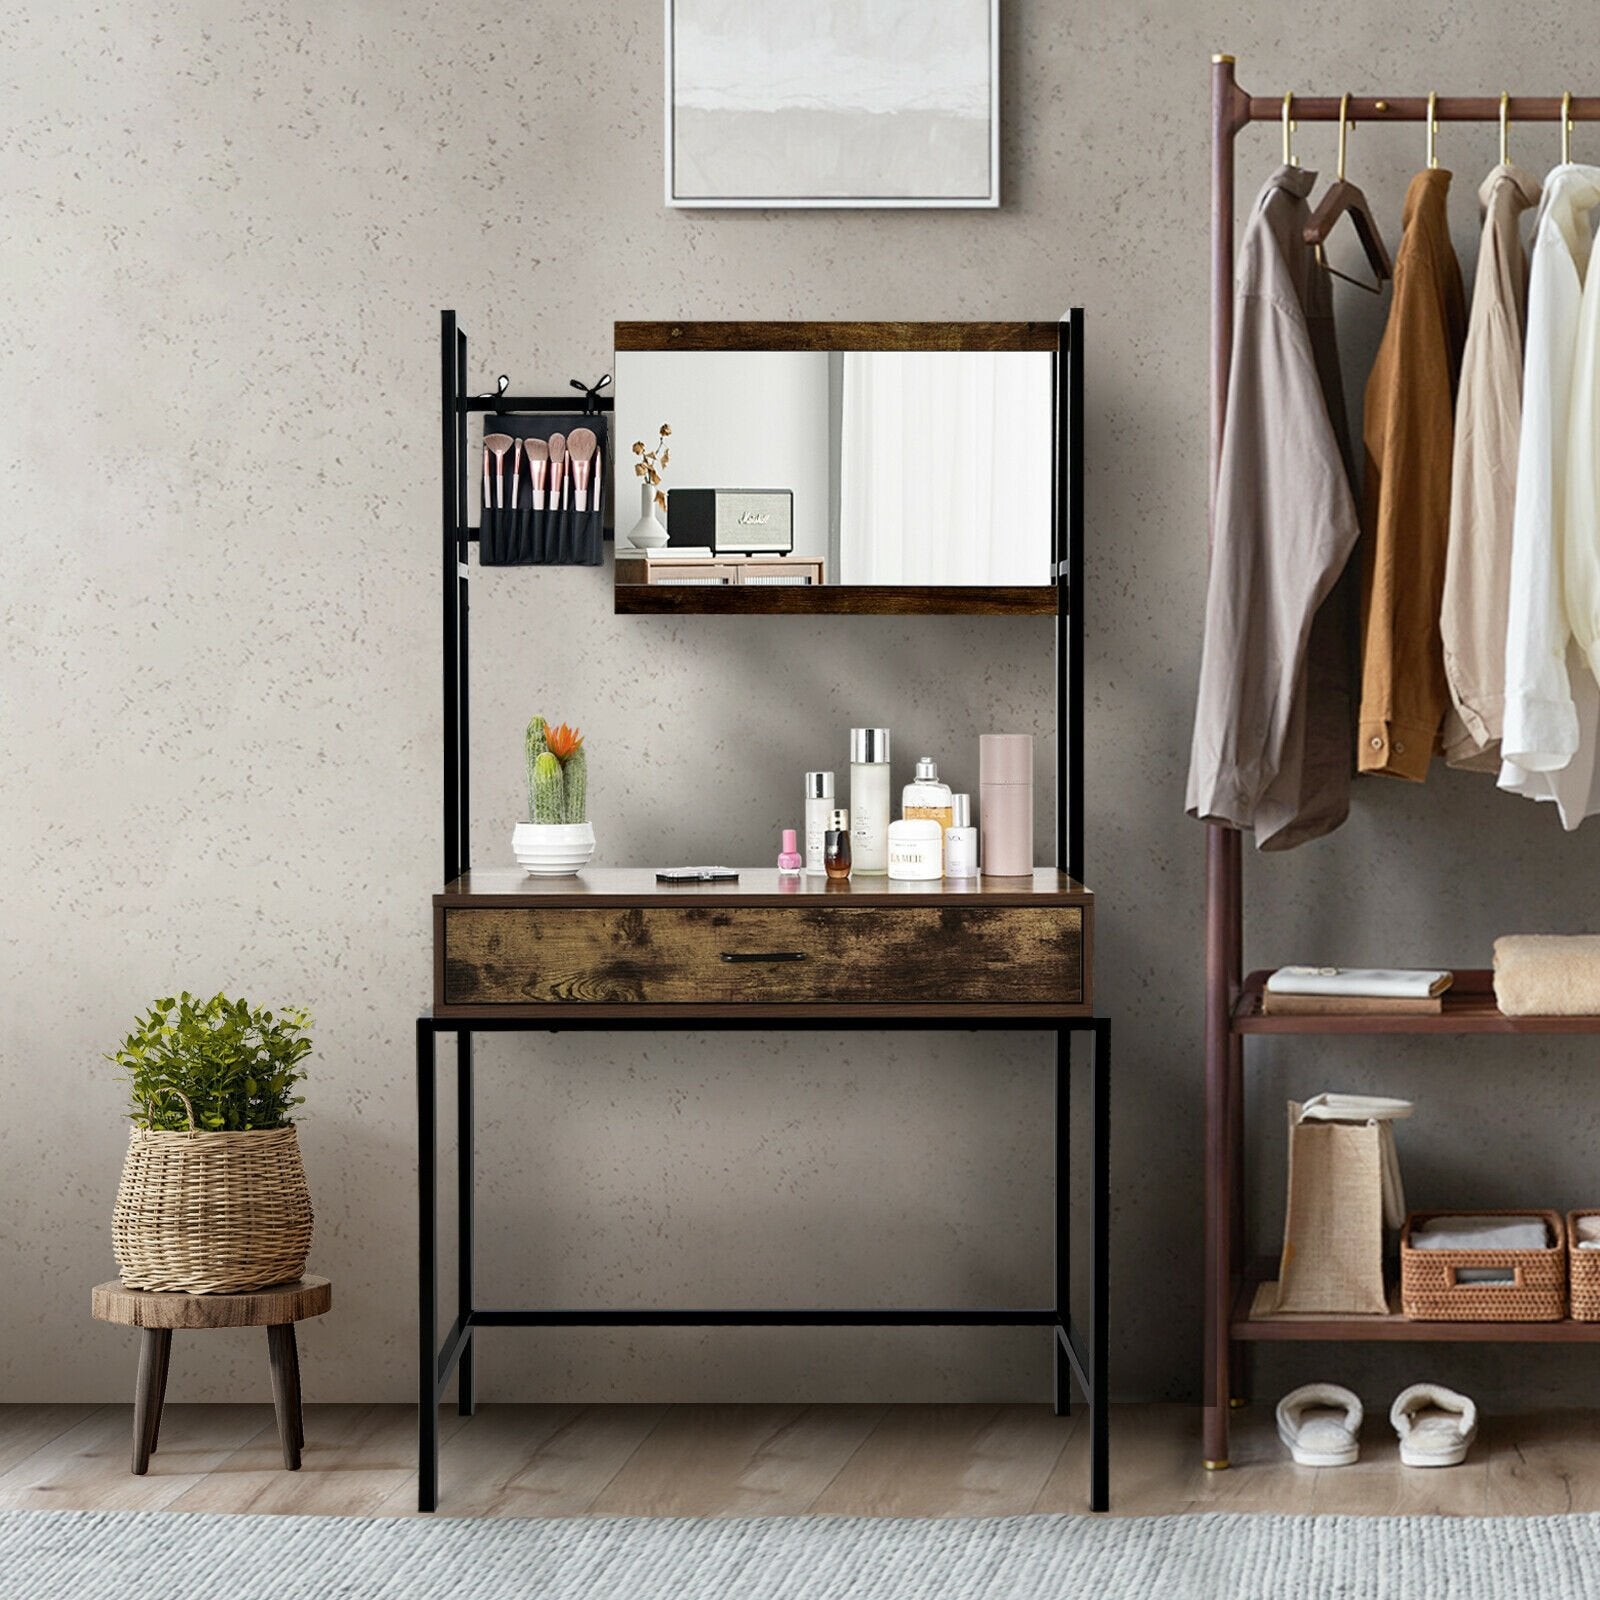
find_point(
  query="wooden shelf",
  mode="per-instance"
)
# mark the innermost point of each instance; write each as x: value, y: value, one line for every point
x: 831, y: 599
x: 1393, y: 1328
x: 1469, y: 1007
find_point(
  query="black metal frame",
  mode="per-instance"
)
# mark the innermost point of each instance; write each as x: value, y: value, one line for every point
x: 1074, y: 1358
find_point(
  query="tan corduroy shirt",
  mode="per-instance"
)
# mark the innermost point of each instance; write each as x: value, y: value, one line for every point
x: 1477, y: 568
x: 1409, y: 432
x: 1276, y: 707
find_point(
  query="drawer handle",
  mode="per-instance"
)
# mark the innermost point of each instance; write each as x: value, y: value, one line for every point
x: 763, y: 955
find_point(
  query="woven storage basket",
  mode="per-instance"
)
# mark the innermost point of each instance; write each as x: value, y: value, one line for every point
x: 1429, y: 1291
x: 212, y: 1213
x: 1583, y: 1273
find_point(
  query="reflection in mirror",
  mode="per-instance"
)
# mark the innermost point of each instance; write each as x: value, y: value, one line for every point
x: 904, y: 468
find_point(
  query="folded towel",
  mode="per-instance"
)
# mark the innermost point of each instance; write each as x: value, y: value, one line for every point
x: 1481, y: 1233
x: 1391, y: 982
x: 1589, y: 1233
x: 1548, y: 974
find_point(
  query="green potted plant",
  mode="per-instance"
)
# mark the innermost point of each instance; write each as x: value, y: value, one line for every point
x: 213, y: 1198
x: 558, y: 838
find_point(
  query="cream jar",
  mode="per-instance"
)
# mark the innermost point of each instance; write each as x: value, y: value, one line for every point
x: 916, y: 849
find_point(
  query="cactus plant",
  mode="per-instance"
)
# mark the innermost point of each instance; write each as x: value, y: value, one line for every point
x: 549, y: 789
x: 575, y: 775
x: 535, y: 746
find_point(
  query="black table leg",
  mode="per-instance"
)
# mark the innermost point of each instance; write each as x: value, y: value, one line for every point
x: 1063, y: 1219
x: 150, y: 1390
x: 285, y: 1363
x: 1100, y: 1282
x: 466, y: 1391
x: 427, y: 1270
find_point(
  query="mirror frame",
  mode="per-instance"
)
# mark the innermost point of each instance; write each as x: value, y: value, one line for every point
x: 1033, y: 600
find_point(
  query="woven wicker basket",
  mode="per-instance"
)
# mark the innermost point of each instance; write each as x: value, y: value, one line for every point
x: 212, y: 1213
x: 1583, y: 1272
x: 1537, y: 1291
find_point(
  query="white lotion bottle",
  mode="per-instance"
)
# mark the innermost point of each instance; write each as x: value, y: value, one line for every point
x: 870, y: 803
x: 961, y: 840
x: 819, y: 807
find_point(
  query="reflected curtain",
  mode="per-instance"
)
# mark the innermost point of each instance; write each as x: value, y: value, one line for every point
x: 945, y: 468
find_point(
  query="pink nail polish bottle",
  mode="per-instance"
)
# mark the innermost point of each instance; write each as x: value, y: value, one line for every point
x: 789, y: 859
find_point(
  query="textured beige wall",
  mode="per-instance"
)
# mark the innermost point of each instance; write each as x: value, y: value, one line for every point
x: 230, y: 230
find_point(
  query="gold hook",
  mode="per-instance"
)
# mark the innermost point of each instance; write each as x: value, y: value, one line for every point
x: 1344, y: 129
x: 1566, y: 127
x: 1288, y: 130
x: 1505, y: 128
x: 1433, y: 129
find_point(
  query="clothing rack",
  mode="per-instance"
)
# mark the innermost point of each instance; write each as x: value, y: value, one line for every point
x: 1233, y: 1009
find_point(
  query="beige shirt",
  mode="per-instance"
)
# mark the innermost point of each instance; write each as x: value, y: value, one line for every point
x: 1477, y: 571
x: 1274, y: 723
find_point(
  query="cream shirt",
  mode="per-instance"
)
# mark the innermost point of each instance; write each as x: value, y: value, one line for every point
x: 1477, y: 571
x: 1552, y: 708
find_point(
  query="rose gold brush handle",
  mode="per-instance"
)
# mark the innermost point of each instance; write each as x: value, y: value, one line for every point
x: 488, y: 499
x: 516, y: 472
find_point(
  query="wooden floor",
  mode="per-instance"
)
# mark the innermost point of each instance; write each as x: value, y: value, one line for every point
x: 775, y: 1459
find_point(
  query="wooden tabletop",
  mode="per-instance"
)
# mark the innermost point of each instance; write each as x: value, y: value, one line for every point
x: 258, y: 1308
x: 755, y: 886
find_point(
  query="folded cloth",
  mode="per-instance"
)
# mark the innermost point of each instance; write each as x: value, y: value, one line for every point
x: 1589, y: 1233
x: 1548, y: 974
x: 1481, y: 1233
x: 1378, y: 982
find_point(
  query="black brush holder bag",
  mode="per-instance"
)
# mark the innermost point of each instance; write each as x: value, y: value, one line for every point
x: 554, y: 535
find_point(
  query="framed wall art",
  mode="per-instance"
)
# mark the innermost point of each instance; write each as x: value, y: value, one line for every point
x: 833, y: 103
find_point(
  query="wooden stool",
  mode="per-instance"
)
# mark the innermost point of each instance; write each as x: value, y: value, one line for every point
x: 276, y: 1309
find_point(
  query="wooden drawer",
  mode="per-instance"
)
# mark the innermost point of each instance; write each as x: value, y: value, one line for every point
x: 716, y: 954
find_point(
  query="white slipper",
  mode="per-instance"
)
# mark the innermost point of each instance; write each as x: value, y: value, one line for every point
x: 1436, y: 1425
x: 1321, y: 1425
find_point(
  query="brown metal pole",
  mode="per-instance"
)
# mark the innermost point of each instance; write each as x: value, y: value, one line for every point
x: 1223, y: 909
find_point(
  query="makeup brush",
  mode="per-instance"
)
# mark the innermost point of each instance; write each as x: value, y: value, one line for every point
x: 580, y: 446
x: 498, y: 444
x: 538, y: 466
x: 516, y: 472
x: 558, y: 470
x: 488, y: 498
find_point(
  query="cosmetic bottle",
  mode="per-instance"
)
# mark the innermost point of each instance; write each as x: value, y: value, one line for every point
x: 925, y: 796
x: 915, y: 849
x: 1005, y: 779
x: 869, y: 800
x: 961, y: 840
x: 836, y: 845
x: 789, y: 862
x: 819, y: 805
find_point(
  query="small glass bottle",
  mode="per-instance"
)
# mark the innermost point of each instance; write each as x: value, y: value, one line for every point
x: 869, y: 800
x: 789, y: 862
x: 819, y: 804
x: 836, y: 845
x: 925, y: 796
x: 961, y: 840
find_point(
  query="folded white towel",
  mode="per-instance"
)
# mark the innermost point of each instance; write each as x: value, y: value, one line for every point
x: 1334, y: 1107
x: 1589, y: 1233
x: 1481, y: 1233
x: 1396, y: 983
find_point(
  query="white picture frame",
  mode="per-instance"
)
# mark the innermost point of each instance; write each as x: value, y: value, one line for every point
x: 723, y: 149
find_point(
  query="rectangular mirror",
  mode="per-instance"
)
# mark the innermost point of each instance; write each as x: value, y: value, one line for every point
x: 824, y: 466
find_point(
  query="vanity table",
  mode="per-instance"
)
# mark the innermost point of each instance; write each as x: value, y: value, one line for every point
x: 613, y: 949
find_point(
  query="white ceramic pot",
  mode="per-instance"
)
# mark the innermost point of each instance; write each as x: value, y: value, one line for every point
x: 648, y: 532
x: 553, y: 849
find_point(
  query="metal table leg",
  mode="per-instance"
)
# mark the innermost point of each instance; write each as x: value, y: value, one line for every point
x: 427, y: 1268
x: 1100, y: 1278
x: 466, y: 1391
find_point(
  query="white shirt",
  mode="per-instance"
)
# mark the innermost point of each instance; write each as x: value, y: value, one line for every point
x: 1552, y: 712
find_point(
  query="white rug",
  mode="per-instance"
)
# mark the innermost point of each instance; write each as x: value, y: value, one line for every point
x: 81, y: 1555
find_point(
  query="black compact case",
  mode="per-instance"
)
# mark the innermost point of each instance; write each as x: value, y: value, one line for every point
x: 557, y: 535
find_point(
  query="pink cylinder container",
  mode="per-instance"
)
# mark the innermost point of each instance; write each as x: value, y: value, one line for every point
x: 1005, y: 817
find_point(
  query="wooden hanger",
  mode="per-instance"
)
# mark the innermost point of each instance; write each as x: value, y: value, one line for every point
x: 1343, y: 198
